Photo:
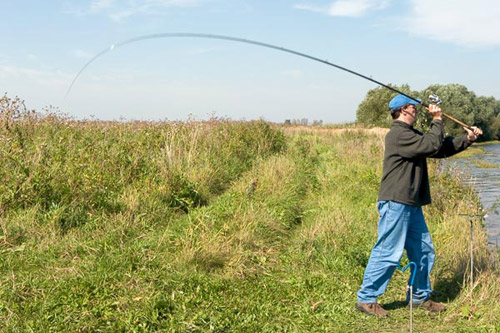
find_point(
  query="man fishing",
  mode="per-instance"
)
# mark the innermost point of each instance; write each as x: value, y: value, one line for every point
x: 404, y: 190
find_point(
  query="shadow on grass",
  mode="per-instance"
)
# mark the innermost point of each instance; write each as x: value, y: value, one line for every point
x: 447, y: 289
x: 444, y: 291
x: 450, y: 284
x: 394, y: 305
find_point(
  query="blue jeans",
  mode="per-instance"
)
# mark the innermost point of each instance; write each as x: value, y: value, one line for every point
x: 401, y: 227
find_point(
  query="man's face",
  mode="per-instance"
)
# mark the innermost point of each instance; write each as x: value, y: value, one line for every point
x: 411, y: 112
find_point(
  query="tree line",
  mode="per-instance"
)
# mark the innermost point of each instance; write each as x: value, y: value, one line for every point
x: 302, y: 122
x: 458, y: 102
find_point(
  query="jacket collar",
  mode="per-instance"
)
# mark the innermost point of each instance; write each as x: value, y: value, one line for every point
x: 401, y: 123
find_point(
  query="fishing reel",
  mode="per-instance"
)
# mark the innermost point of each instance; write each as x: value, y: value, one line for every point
x: 434, y: 99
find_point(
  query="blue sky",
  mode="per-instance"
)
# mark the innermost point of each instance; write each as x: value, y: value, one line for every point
x: 418, y: 42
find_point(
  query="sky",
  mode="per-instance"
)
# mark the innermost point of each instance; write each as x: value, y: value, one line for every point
x: 415, y: 42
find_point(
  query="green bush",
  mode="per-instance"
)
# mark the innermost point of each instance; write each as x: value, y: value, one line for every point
x: 71, y: 171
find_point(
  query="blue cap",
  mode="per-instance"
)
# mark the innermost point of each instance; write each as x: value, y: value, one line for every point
x: 401, y: 100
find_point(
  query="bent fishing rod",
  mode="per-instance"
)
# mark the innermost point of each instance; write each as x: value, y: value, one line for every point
x: 433, y: 98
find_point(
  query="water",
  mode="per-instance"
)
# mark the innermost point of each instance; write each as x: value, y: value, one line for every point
x: 486, y: 182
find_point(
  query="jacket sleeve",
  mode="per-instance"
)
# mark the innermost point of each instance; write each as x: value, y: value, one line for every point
x: 413, y: 144
x: 452, y: 146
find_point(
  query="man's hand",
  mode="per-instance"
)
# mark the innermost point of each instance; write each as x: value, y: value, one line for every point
x: 435, y: 112
x: 474, y: 134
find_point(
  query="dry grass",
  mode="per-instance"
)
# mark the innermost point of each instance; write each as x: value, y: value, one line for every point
x: 379, y: 131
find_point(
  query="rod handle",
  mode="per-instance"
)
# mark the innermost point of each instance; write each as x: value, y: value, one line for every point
x: 452, y: 118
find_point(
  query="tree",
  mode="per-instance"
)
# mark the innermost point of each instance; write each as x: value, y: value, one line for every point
x: 458, y: 102
x: 495, y: 128
x: 374, y: 109
x: 463, y: 104
x: 487, y: 110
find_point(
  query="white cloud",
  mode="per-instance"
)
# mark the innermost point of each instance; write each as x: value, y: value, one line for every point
x: 316, y: 9
x: 351, y: 8
x: 149, y: 7
x: 32, y: 57
x: 40, y: 88
x: 119, y: 10
x: 34, y: 75
x: 464, y: 22
x: 99, y: 5
x: 120, y: 15
x: 347, y: 8
x: 292, y: 73
x: 171, y: 2
x: 199, y: 51
x: 82, y: 54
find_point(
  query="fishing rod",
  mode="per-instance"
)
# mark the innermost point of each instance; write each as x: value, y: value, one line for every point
x: 253, y: 42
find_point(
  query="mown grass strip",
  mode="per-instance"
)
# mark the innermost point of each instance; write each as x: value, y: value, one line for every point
x: 134, y: 271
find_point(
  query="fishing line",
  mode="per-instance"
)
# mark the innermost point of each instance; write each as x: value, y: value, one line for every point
x: 228, y: 38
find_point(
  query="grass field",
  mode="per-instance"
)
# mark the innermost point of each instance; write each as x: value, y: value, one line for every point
x: 212, y: 226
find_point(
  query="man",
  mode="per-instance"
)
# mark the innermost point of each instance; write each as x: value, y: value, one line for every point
x: 403, y: 191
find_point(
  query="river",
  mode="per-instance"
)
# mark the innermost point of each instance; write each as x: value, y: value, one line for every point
x: 482, y: 172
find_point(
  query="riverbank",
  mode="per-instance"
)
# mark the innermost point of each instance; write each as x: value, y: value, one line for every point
x: 475, y: 149
x: 272, y: 235
x: 481, y: 172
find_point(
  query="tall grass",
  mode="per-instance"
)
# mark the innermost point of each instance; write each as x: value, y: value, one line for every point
x: 67, y: 172
x: 212, y: 226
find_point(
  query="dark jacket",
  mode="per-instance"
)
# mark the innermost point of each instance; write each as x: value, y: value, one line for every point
x: 405, y: 178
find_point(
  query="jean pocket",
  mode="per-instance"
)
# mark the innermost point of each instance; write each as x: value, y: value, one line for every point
x: 382, y: 206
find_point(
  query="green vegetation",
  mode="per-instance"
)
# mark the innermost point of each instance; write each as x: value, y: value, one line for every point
x: 485, y: 164
x: 213, y: 226
x: 374, y: 110
x: 458, y: 102
x: 486, y: 143
x: 475, y: 149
